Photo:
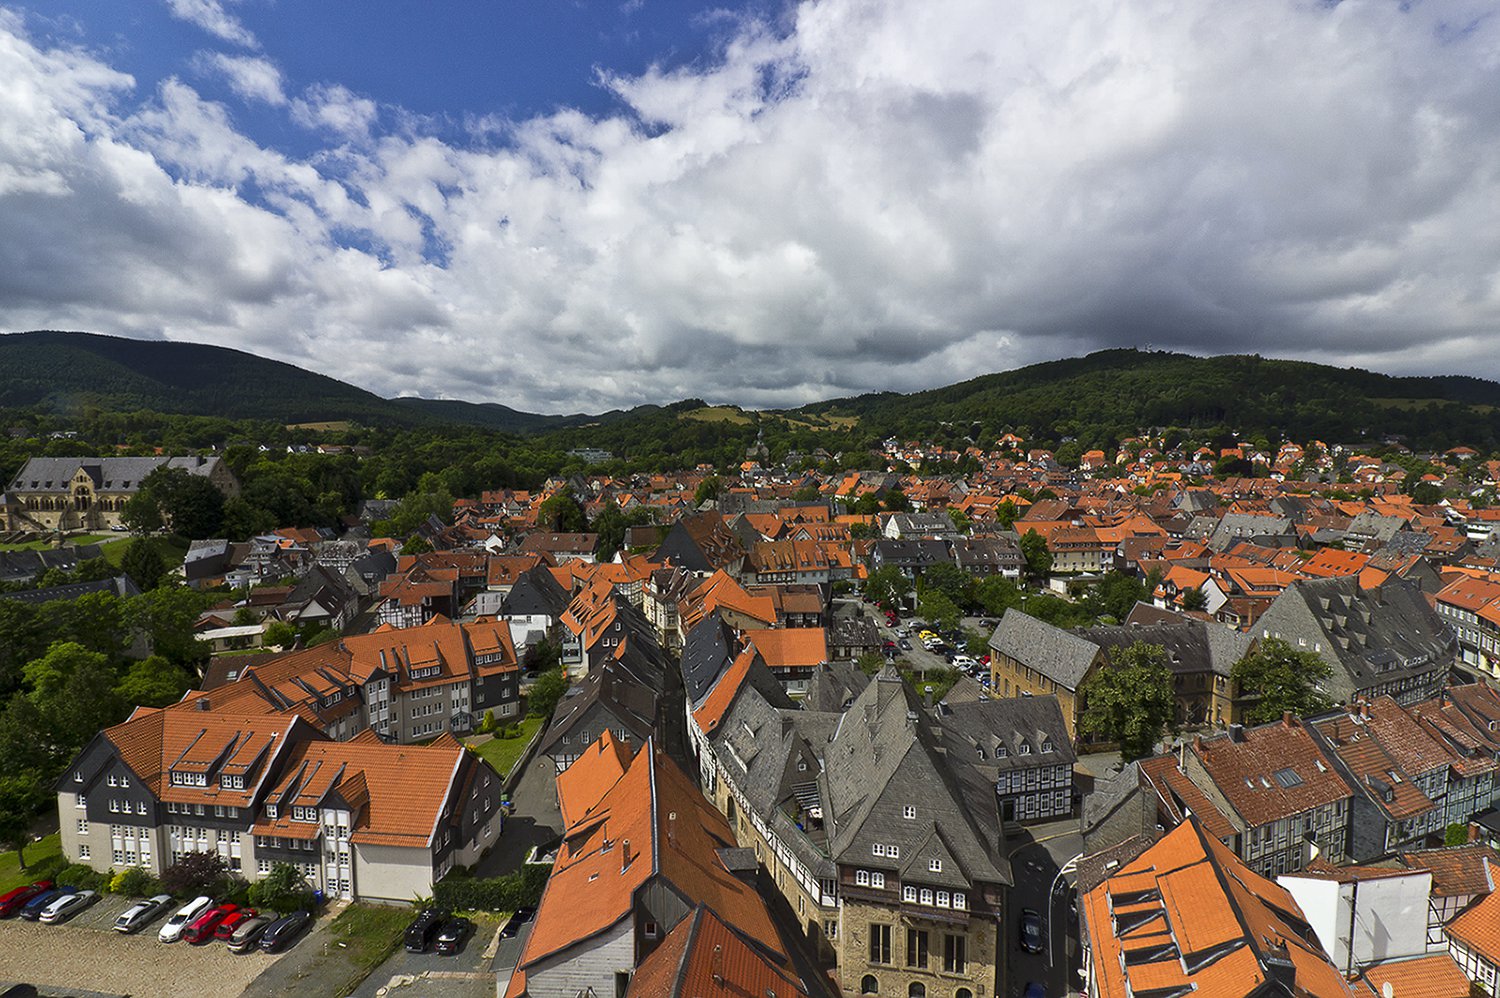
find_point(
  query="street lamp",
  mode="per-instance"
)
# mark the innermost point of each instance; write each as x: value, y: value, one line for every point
x: 1067, y: 868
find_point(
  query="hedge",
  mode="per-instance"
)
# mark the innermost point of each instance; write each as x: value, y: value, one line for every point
x: 507, y: 893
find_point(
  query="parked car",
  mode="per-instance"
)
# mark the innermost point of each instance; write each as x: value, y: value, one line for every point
x: 904, y: 644
x: 246, y: 935
x: 1031, y: 930
x: 12, y: 901
x: 280, y: 933
x: 419, y: 933
x: 172, y: 931
x: 140, y: 914
x: 451, y: 936
x: 32, y: 910
x: 225, y: 929
x: 517, y: 920
x: 201, y: 929
x: 67, y: 906
x: 1034, y: 990
x: 964, y: 662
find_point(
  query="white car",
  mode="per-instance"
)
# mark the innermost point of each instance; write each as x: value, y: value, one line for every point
x: 172, y: 931
x: 963, y: 662
x: 138, y: 914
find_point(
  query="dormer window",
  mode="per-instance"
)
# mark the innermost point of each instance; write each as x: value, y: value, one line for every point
x: 300, y: 813
x: 232, y: 782
x: 270, y: 810
x: 935, y: 866
x: 1046, y: 746
x: 1025, y: 748
x: 909, y: 812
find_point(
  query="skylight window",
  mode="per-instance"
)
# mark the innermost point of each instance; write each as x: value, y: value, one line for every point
x: 1288, y: 778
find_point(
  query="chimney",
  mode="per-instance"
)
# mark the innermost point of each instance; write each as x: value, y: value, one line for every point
x: 1288, y: 719
x: 1237, y: 733
x: 1364, y: 709
x: 201, y: 703
x: 624, y: 855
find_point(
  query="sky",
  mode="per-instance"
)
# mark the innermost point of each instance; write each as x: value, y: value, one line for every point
x: 577, y: 206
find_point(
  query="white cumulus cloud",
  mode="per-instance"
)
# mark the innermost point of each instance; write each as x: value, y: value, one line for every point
x: 252, y: 78
x: 211, y: 16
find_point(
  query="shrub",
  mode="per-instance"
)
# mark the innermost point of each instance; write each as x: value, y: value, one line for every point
x: 1456, y: 835
x: 85, y: 878
x: 487, y: 724
x: 49, y: 868
x: 507, y: 893
x: 135, y: 882
x: 284, y: 889
x: 196, y: 873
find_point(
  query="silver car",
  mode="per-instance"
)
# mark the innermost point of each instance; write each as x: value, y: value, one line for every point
x: 172, y: 931
x: 138, y: 915
x: 67, y: 906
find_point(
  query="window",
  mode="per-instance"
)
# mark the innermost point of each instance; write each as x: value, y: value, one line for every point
x: 112, y: 781
x: 831, y: 928
x: 124, y: 781
x: 954, y: 960
x: 82, y: 801
x: 270, y: 810
x: 649, y: 930
x: 909, y: 895
x: 140, y: 807
x: 935, y: 865
x: 868, y: 985
x: 83, y: 826
x: 927, y: 895
x: 960, y: 902
x: 909, y: 812
x: 880, y: 945
x: 942, y: 899
x: 916, y: 948
x: 83, y: 852
x: 877, y: 879
x: 862, y: 878
x: 916, y: 990
x: 118, y: 857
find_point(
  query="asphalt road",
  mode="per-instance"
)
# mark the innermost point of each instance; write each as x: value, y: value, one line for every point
x: 1038, y: 853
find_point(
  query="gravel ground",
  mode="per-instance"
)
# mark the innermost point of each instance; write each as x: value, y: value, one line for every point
x: 79, y: 956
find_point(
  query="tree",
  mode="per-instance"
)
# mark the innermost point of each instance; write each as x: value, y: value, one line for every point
x: 279, y: 633
x: 167, y: 615
x: 195, y: 873
x: 1456, y: 834
x: 1006, y: 513
x: 171, y: 497
x: 1130, y: 700
x: 938, y: 608
x: 887, y: 585
x: 896, y: 501
x: 871, y: 662
x: 950, y: 580
x: 1115, y: 596
x: 154, y: 682
x: 546, y: 693
x: 996, y: 594
x: 1276, y: 678
x: 1038, y: 558
x: 73, y: 689
x: 143, y: 563
x: 708, y: 489
x: 22, y: 796
x: 283, y: 890
x: 1194, y: 599
x: 561, y: 512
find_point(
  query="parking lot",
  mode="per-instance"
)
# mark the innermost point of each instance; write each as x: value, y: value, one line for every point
x: 86, y: 953
x: 466, y: 974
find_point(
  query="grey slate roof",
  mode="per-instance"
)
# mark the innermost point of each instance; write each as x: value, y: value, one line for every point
x: 1060, y: 656
x: 536, y: 592
x: 110, y: 474
x: 835, y: 686
x: 1011, y: 722
x: 120, y: 586
x: 707, y: 651
x: 1191, y: 645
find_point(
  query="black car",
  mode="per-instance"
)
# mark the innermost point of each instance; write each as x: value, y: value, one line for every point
x: 420, y: 932
x: 280, y: 933
x: 1031, y: 930
x: 520, y: 918
x: 450, y: 938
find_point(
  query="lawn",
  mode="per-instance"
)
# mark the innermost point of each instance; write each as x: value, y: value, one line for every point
x: 11, y: 874
x: 365, y: 935
x: 502, y: 753
x: 47, y: 545
x: 173, y: 549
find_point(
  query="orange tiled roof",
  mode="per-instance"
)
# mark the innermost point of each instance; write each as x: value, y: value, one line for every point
x: 790, y: 647
x: 1478, y: 928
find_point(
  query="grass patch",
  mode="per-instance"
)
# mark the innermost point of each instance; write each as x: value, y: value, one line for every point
x: 1412, y: 405
x: 330, y: 426
x: 718, y: 414
x: 173, y: 549
x: 47, y: 545
x: 502, y: 753
x: 364, y: 936
x: 11, y: 874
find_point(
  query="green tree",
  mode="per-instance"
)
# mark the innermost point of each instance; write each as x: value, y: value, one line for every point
x: 1038, y: 558
x: 546, y: 693
x: 935, y: 606
x: 189, y: 504
x: 282, y: 890
x: 1275, y: 678
x: 154, y: 682
x: 950, y: 580
x: 708, y: 489
x: 196, y: 873
x: 996, y: 594
x: 888, y: 585
x: 561, y: 512
x: 1194, y: 599
x: 1006, y: 513
x: 280, y: 634
x: 143, y: 563
x: 896, y: 501
x: 167, y: 616
x: 22, y: 797
x: 1456, y: 834
x: 1130, y: 700
x: 871, y: 662
x: 73, y: 689
x: 1115, y: 595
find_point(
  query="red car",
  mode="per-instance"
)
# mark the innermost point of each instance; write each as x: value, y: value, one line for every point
x: 11, y: 903
x: 226, y: 928
x: 201, y: 929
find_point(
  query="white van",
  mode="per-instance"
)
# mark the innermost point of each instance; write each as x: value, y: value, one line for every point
x: 172, y: 931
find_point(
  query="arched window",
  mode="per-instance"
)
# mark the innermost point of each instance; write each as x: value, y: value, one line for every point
x: 963, y: 993
x: 917, y: 990
x: 869, y: 986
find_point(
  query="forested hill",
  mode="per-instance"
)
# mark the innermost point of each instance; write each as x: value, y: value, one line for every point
x: 1096, y: 399
x: 64, y: 372
x: 1114, y: 393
